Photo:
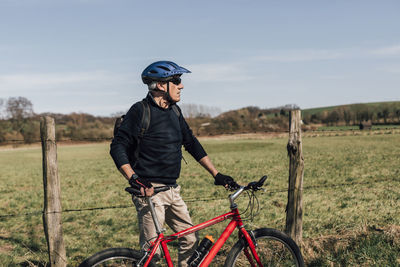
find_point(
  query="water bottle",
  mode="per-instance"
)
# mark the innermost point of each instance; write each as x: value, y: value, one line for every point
x: 201, y: 251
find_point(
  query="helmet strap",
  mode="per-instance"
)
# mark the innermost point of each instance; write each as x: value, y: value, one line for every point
x: 168, y: 96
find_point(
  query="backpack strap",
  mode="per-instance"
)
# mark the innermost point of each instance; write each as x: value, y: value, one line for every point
x: 145, y: 118
x: 117, y: 124
x: 145, y: 123
x: 176, y: 110
x: 178, y: 114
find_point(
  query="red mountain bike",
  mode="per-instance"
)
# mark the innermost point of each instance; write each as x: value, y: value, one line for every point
x: 260, y: 247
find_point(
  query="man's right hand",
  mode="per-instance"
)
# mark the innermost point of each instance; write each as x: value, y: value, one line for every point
x: 226, y: 181
x: 145, y: 187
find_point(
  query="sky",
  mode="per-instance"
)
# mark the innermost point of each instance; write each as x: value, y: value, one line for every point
x: 87, y: 55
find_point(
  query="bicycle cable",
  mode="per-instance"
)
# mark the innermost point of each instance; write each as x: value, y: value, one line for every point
x: 253, y: 207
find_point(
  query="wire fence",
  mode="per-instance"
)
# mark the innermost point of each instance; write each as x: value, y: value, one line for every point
x: 269, y: 192
x: 35, y: 141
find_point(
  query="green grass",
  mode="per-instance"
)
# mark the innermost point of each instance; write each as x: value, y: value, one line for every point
x: 351, y: 187
x: 356, y: 128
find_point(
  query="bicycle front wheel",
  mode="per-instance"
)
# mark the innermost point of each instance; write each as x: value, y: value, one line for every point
x: 273, y: 247
x: 113, y: 257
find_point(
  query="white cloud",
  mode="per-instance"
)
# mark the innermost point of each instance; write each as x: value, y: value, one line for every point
x: 298, y: 55
x: 7, y: 48
x: 29, y: 3
x: 51, y: 78
x: 71, y: 81
x: 391, y: 69
x: 219, y: 72
x: 387, y: 51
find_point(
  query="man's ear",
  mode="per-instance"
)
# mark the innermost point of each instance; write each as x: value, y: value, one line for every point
x: 160, y: 86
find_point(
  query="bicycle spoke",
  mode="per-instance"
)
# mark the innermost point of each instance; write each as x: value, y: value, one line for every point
x: 249, y: 257
x: 117, y: 261
x: 272, y: 252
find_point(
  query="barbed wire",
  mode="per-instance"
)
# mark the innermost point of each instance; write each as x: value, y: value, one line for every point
x: 60, y: 141
x: 64, y: 211
x: 270, y: 192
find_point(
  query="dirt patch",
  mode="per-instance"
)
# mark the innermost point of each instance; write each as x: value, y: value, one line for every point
x: 313, y: 248
x: 6, y: 249
x: 394, y: 232
x: 19, y: 146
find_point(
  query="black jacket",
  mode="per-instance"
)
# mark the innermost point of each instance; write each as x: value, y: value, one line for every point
x: 160, y: 151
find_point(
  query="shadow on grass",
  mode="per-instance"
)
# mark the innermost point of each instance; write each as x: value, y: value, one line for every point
x: 32, y: 246
x: 33, y: 263
x: 29, y: 242
x: 373, y: 247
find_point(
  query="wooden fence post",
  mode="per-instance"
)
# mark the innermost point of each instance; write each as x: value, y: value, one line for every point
x: 294, y: 208
x: 52, y: 191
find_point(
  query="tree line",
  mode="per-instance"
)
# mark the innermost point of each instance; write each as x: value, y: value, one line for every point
x: 382, y: 113
x: 19, y: 122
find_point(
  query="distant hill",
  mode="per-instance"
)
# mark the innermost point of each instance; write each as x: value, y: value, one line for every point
x: 353, y: 114
x: 372, y: 105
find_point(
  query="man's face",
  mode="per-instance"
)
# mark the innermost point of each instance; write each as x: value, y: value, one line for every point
x: 175, y: 87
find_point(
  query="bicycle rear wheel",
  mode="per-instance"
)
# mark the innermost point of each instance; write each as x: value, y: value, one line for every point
x: 273, y: 247
x: 113, y: 257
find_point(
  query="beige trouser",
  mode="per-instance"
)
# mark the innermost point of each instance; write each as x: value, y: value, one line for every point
x: 171, y: 209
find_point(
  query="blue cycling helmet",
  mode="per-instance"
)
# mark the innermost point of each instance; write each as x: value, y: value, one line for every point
x: 162, y: 71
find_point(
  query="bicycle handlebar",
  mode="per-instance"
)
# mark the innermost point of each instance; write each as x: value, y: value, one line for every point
x: 255, y: 186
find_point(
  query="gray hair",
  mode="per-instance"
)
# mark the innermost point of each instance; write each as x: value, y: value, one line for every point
x: 152, y: 86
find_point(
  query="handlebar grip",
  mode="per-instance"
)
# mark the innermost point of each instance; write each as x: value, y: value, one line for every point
x: 256, y: 185
x: 262, y: 180
x: 132, y: 191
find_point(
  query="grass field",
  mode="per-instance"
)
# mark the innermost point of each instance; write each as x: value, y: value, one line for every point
x: 356, y: 127
x: 351, y: 198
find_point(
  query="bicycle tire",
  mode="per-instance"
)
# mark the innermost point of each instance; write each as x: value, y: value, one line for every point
x: 273, y: 247
x: 113, y: 257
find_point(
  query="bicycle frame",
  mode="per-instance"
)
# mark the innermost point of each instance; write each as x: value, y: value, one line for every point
x: 236, y: 222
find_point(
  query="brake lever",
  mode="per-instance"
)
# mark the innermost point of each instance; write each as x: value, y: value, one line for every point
x: 255, y: 186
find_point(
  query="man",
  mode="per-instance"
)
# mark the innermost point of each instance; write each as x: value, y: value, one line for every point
x: 154, y: 158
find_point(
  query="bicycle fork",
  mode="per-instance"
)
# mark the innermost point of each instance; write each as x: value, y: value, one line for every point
x: 244, y: 235
x: 251, y: 243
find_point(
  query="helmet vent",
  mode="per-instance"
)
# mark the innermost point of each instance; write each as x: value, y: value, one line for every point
x: 164, y: 68
x: 153, y: 71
